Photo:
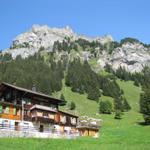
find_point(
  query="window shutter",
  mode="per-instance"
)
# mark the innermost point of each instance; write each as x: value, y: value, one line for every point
x: 14, y: 111
x: 1, y: 109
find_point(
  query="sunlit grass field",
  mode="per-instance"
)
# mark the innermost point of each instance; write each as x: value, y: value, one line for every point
x: 124, y: 134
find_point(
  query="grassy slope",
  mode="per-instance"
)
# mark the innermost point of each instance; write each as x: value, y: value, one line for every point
x: 122, y: 134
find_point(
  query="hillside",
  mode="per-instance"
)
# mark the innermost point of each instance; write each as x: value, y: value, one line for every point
x: 85, y: 71
x: 124, y: 134
x: 88, y: 107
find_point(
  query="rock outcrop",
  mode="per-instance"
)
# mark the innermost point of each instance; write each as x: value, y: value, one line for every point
x: 30, y: 42
x: 132, y: 56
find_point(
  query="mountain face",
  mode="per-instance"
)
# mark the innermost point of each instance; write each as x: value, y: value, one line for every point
x: 132, y: 56
x: 29, y: 43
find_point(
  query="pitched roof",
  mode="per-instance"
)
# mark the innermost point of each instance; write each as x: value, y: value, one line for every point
x: 89, y: 127
x: 30, y: 92
x: 67, y: 113
x: 43, y: 108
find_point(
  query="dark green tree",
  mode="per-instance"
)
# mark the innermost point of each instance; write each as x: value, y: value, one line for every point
x: 118, y: 107
x: 125, y: 105
x: 118, y: 114
x: 72, y: 105
x: 93, y: 93
x: 145, y: 105
x: 105, y: 107
x: 62, y: 97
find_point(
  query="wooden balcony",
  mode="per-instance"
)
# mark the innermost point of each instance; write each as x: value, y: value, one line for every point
x: 10, y: 116
x: 42, y: 119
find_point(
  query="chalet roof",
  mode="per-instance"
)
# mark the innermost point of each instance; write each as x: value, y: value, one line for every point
x: 43, y: 108
x: 88, y: 127
x: 38, y: 94
x: 69, y: 114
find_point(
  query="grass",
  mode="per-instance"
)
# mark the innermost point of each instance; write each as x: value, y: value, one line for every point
x: 124, y: 134
x: 130, y: 138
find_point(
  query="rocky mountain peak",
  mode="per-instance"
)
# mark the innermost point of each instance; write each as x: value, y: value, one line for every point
x: 43, y: 36
x: 28, y: 43
x: 105, y: 39
x: 131, y: 56
x: 130, y: 53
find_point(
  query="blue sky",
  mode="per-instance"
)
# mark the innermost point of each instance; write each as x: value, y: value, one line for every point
x: 120, y: 18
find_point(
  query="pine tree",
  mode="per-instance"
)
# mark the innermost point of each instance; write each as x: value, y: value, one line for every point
x: 118, y: 107
x: 145, y: 105
x: 126, y: 106
x: 105, y: 107
x: 93, y: 93
x: 72, y: 106
x: 63, y: 100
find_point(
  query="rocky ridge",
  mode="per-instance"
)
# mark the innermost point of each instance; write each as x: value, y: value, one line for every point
x: 132, y: 56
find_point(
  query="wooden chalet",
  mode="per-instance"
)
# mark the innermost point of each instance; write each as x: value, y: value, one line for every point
x: 18, y: 103
x: 23, y: 107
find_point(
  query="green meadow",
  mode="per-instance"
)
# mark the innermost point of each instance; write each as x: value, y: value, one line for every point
x: 124, y: 134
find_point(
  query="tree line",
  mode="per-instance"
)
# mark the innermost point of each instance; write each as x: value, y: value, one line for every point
x: 47, y: 77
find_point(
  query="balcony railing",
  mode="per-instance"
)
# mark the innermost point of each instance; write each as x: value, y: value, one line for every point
x: 42, y: 119
x: 45, y: 108
x: 26, y: 131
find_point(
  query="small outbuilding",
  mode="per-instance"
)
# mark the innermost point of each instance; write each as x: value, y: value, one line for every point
x: 88, y: 131
x: 89, y: 126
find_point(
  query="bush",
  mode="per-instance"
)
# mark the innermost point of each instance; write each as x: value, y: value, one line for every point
x: 105, y: 107
x: 118, y: 114
x: 130, y: 40
x: 72, y: 106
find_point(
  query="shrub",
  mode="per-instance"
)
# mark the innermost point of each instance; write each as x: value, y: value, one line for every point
x: 105, y: 107
x: 72, y: 106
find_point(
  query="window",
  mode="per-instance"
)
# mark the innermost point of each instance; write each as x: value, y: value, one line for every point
x: 45, y: 114
x: 26, y: 101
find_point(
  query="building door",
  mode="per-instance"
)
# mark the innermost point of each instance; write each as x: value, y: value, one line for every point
x: 41, y: 129
x: 17, y: 126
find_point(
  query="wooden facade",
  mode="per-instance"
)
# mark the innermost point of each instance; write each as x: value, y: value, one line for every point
x: 10, y: 111
x: 43, y: 114
x: 16, y: 104
x: 67, y: 119
x: 67, y: 122
x: 38, y: 108
x: 88, y: 131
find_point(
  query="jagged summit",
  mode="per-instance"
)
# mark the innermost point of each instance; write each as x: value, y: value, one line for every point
x: 44, y: 36
x: 28, y: 43
x: 39, y: 36
x: 131, y: 54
